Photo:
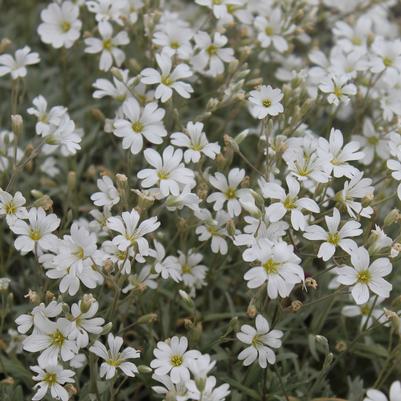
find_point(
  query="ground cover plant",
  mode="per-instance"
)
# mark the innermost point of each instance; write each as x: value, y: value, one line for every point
x: 199, y: 200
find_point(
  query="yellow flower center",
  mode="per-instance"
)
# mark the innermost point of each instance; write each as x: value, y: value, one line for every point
x: 186, y: 269
x: 10, y: 208
x: 107, y: 44
x: 197, y: 146
x: 364, y: 276
x: 65, y: 26
x: 79, y: 253
x: 50, y: 379
x: 365, y: 310
x: 113, y: 362
x: 174, y: 45
x: 211, y: 50
x: 289, y: 203
x: 256, y: 341
x: 267, y: 102
x: 338, y: 91
x: 176, y: 360
x: 137, y: 127
x: 356, y: 41
x: 35, y: 234
x: 58, y: 338
x: 269, y: 31
x: 121, y: 255
x: 373, y: 140
x: 333, y: 238
x: 230, y: 193
x: 163, y: 175
x: 271, y: 267
x: 166, y: 81
x: 387, y: 62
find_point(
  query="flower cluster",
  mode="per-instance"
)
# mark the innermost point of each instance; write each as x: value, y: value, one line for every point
x: 202, y: 187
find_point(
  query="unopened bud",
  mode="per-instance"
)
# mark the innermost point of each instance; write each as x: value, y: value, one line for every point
x: 117, y: 73
x: 367, y: 200
x: 86, y: 302
x: 45, y: 202
x: 5, y: 43
x: 8, y: 381
x: 49, y: 296
x: 17, y: 124
x: 186, y: 298
x: 144, y: 369
x: 395, y: 250
x: 71, y: 180
x: 148, y: 318
x: 4, y: 283
x: 108, y: 266
x: 71, y: 389
x: 97, y: 114
x: 251, y: 311
x: 393, y: 318
x: 106, y: 328
x: 229, y: 142
x: 212, y: 104
x: 393, y: 217
x: 231, y: 227
x: 241, y: 136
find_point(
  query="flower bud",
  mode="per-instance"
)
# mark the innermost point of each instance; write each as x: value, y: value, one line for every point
x: 5, y: 43
x: 4, y: 283
x: 49, y: 296
x: 71, y: 181
x: 45, y: 202
x: 144, y: 369
x: 97, y: 114
x: 148, y: 318
x: 86, y: 302
x: 106, y: 328
x: 394, y: 319
x: 341, y: 346
x: 251, y: 311
x: 392, y: 217
x: 17, y: 124
x: 230, y: 227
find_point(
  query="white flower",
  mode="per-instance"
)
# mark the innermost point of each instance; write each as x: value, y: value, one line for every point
x: 372, y: 142
x: 185, y: 198
x: 139, y: 122
x: 368, y: 312
x: 277, y: 265
x: 130, y: 234
x: 261, y: 341
x: 363, y: 276
x: 287, y: 203
x: 212, y: 54
x: 63, y: 137
x: 207, y: 391
x: 357, y: 188
x: 84, y: 322
x: 270, y: 31
x: 52, y: 340
x: 337, y: 157
x: 386, y: 55
x: 219, y: 7
x: 35, y: 236
x: 114, y: 359
x: 196, y: 141
x: 174, y: 40
x: 338, y: 89
x: 168, y: 172
x: 119, y: 89
x: 75, y: 250
x: 12, y: 206
x: 191, y: 271
x: 173, y: 358
x: 265, y: 101
x: 52, y: 378
x: 46, y: 118
x: 61, y: 26
x: 376, y: 395
x: 16, y: 66
x: 107, y: 46
x: 334, y: 237
x: 228, y: 191
x: 168, y: 80
x: 395, y: 166
x: 108, y: 195
x: 175, y: 391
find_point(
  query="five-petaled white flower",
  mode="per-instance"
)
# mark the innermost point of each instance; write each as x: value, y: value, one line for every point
x: 172, y: 357
x: 168, y: 79
x: 36, y: 235
x: 364, y: 276
x: 139, y: 122
x: 108, y: 195
x: 61, y: 26
x: 107, y: 46
x: 168, y: 173
x: 265, y: 101
x: 114, y: 358
x: 334, y: 237
x: 16, y: 66
x: 195, y: 140
x: 261, y: 341
x: 229, y: 192
x: 52, y: 378
x: 12, y: 206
